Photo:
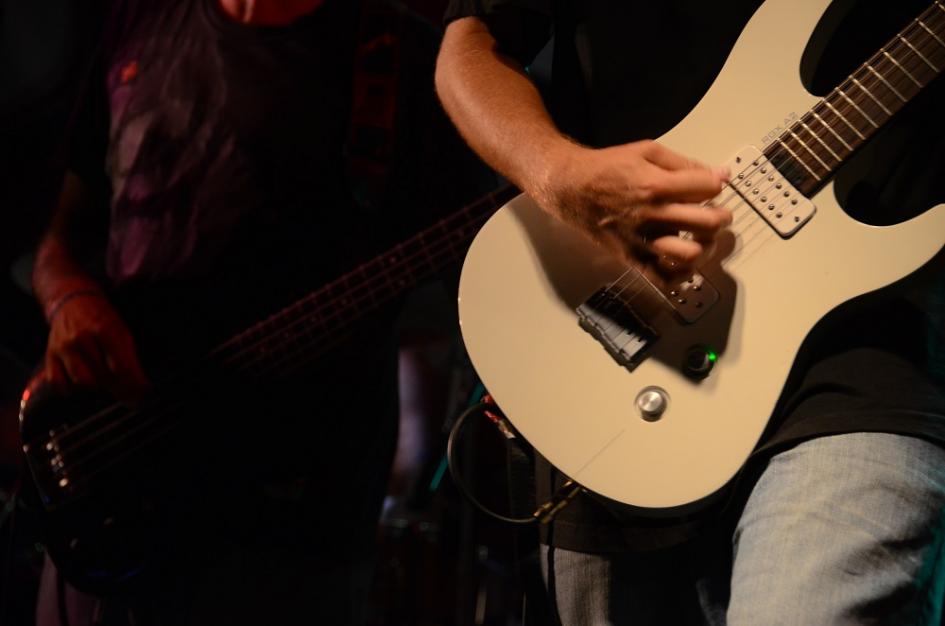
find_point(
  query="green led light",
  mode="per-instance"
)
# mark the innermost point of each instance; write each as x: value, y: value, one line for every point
x: 712, y: 355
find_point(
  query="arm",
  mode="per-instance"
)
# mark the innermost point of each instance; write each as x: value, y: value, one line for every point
x: 89, y: 345
x: 633, y: 198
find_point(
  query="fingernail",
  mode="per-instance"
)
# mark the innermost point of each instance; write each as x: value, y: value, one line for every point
x: 724, y: 173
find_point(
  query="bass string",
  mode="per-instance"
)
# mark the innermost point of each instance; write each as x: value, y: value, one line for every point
x: 327, y: 314
x: 142, y: 421
x: 326, y: 311
x: 262, y: 341
x: 170, y: 417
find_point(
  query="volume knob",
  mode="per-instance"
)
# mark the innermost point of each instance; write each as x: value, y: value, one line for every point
x: 652, y: 403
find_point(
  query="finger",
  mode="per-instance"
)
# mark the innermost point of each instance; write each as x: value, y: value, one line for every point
x: 692, y: 185
x: 702, y: 221
x: 660, y: 155
x: 93, y: 357
x: 676, y: 253
x: 121, y: 359
x: 55, y: 373
x: 78, y: 370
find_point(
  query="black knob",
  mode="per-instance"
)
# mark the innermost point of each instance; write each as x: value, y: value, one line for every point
x: 699, y: 362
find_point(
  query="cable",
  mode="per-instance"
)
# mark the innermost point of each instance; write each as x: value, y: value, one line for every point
x: 544, y: 513
x: 457, y: 477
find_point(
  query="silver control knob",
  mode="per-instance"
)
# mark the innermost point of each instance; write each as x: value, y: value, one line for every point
x: 652, y: 403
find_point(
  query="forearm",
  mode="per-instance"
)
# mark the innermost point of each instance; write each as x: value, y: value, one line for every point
x: 497, y: 108
x: 634, y: 198
x: 56, y: 269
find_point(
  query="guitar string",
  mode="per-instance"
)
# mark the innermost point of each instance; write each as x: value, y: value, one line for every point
x: 131, y: 414
x: 639, y: 277
x: 848, y: 109
x: 741, y: 255
x: 793, y: 162
x: 166, y: 423
x: 433, y: 251
x: 78, y: 444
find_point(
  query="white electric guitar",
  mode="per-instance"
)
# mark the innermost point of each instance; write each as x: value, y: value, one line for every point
x: 656, y: 398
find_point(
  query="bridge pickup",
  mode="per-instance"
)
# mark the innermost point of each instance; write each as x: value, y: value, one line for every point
x: 617, y: 327
x: 692, y: 297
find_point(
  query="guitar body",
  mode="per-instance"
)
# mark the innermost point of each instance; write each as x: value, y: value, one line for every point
x: 526, y: 273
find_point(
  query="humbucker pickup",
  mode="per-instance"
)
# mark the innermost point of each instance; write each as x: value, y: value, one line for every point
x: 769, y: 193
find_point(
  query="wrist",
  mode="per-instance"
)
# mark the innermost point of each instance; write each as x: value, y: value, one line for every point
x: 555, y: 171
x: 55, y: 305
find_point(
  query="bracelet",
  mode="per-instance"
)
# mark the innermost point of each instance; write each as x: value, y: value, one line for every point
x: 57, y: 305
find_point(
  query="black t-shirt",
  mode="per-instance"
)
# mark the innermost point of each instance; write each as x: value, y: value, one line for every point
x: 220, y: 146
x: 218, y: 149
x: 625, y: 71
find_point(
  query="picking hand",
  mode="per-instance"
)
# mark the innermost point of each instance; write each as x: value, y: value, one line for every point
x: 638, y: 199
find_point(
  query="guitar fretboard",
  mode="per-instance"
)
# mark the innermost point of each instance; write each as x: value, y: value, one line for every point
x: 810, y: 151
x: 302, y: 332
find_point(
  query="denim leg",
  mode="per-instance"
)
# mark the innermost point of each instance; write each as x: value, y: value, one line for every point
x: 652, y: 589
x: 846, y: 529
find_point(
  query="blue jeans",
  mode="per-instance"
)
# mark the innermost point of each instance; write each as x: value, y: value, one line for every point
x: 845, y: 529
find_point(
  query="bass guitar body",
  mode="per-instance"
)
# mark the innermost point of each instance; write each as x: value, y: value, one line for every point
x: 134, y: 499
x: 662, y: 412
x: 122, y: 494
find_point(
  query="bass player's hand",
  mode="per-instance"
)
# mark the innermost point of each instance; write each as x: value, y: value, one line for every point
x: 90, y: 347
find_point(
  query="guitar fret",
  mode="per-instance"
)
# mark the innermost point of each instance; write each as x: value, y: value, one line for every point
x: 899, y: 75
x: 929, y: 31
x: 919, y: 54
x: 806, y: 147
x: 886, y: 82
x: 845, y: 120
x: 930, y: 47
x: 857, y: 107
x: 832, y: 131
x: 905, y: 71
x: 923, y: 56
x: 870, y: 94
x: 798, y: 159
x: 819, y: 140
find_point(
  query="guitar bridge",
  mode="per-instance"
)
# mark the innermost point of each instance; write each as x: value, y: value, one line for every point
x: 617, y: 327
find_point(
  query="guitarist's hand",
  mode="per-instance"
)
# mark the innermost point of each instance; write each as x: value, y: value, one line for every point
x: 636, y: 199
x: 90, y: 347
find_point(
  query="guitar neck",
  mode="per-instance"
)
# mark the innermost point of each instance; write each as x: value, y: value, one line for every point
x: 813, y: 148
x: 311, y: 326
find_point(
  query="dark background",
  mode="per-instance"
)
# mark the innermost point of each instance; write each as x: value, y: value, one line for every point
x: 438, y: 562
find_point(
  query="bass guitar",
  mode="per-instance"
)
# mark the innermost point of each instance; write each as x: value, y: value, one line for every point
x: 654, y: 397
x: 100, y: 470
